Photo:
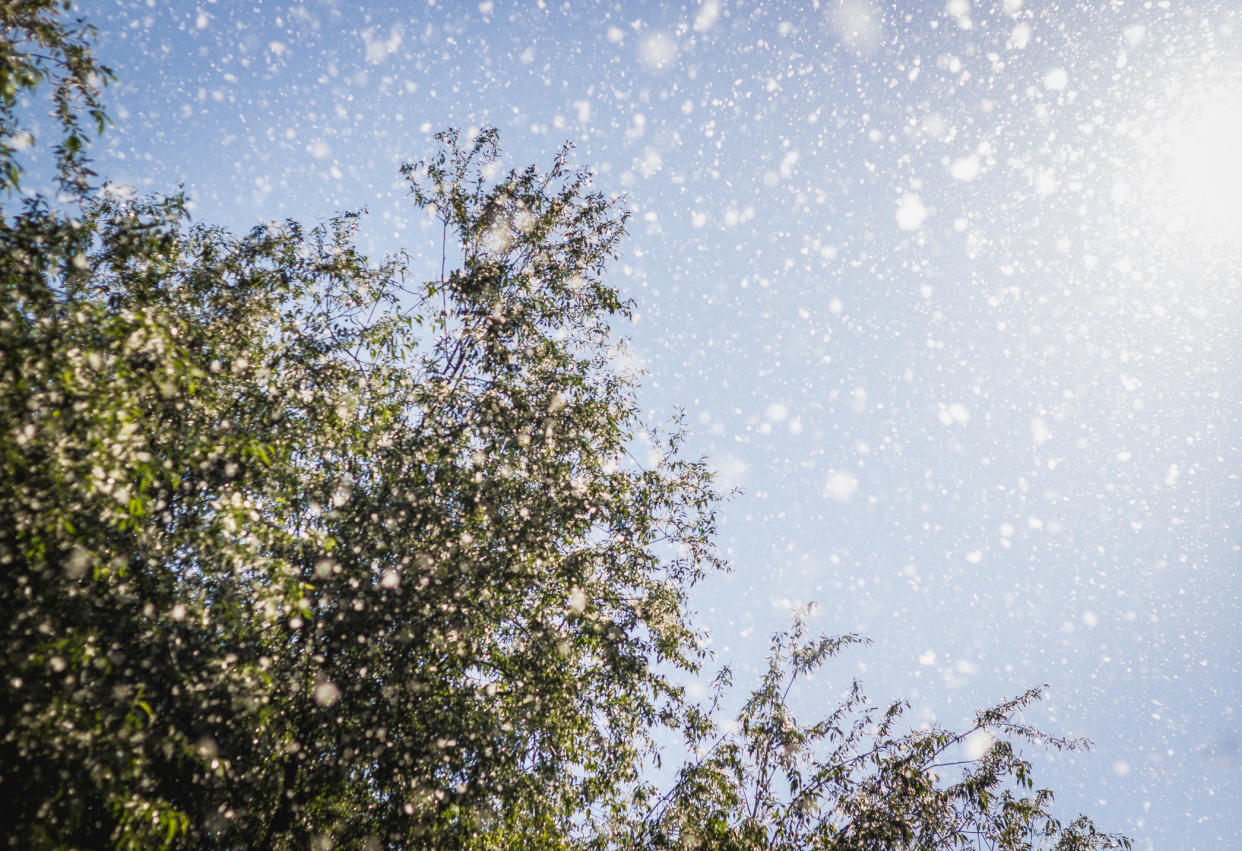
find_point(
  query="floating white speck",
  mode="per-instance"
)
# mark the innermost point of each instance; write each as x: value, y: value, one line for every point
x: 959, y: 10
x: 1040, y: 433
x: 965, y: 168
x: 21, y: 141
x: 651, y: 162
x: 977, y: 744
x: 709, y: 12
x: 657, y: 52
x: 731, y: 471
x: 953, y: 414
x: 928, y: 657
x: 1019, y: 37
x: 380, y: 47
x: 1056, y: 80
x: 840, y: 485
x: 910, y: 212
x: 858, y: 25
x: 1170, y: 477
x: 326, y: 693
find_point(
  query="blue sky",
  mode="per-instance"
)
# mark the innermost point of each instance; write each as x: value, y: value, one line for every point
x: 949, y: 290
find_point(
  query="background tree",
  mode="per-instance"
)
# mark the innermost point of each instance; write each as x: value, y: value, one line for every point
x: 855, y: 780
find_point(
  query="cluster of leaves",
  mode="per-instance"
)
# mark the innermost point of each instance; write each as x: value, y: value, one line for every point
x: 296, y: 552
x: 40, y: 46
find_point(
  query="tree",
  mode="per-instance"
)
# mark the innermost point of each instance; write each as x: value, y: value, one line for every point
x: 297, y: 551
x: 854, y: 780
x: 293, y: 549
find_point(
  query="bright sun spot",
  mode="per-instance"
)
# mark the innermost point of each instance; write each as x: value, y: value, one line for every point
x: 1205, y: 169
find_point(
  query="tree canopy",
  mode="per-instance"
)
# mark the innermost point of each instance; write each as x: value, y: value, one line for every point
x: 299, y: 551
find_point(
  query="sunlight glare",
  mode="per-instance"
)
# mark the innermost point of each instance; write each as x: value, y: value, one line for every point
x: 1206, y: 170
